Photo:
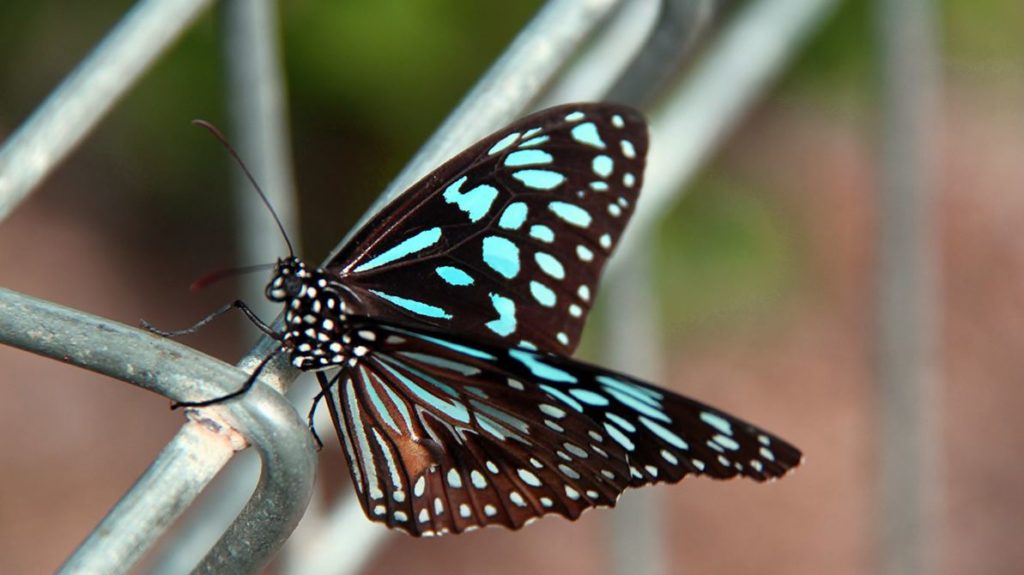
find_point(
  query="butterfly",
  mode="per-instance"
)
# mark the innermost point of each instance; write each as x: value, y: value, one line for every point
x: 440, y: 336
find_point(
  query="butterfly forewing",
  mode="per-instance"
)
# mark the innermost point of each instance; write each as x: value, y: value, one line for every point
x: 445, y: 434
x: 506, y: 241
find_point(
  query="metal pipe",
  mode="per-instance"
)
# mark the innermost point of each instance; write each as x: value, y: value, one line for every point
x: 257, y: 105
x: 71, y: 111
x: 176, y: 371
x: 908, y: 370
x: 697, y: 116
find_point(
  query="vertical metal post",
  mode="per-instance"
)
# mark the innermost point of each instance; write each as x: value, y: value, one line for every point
x: 257, y: 108
x: 638, y: 545
x: 907, y: 370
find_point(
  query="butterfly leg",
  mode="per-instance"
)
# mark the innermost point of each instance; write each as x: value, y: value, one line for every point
x: 237, y: 304
x: 325, y: 389
x: 312, y: 414
x: 240, y: 391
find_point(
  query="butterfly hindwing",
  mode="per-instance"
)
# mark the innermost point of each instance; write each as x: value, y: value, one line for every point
x: 445, y: 434
x: 506, y: 241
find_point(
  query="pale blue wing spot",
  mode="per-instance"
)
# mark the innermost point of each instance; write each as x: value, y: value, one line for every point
x: 361, y: 444
x: 542, y: 294
x: 562, y: 338
x: 409, y: 246
x: 587, y: 134
x: 668, y: 435
x: 527, y: 344
x: 716, y: 421
x: 574, y: 116
x: 605, y: 240
x: 513, y: 216
x: 628, y: 180
x: 550, y: 265
x: 602, y: 165
x: 599, y: 186
x: 627, y: 149
x: 726, y: 442
x: 534, y: 141
x: 619, y: 437
x: 563, y: 397
x: 378, y: 403
x: 539, y: 179
x: 503, y: 143
x: 575, y: 310
x: 623, y: 202
x: 476, y: 202
x: 583, y: 292
x: 506, y: 322
x: 414, y: 306
x: 449, y: 344
x: 644, y: 394
x: 620, y: 421
x: 541, y: 369
x: 584, y: 253
x: 589, y: 397
x: 447, y: 389
x: 452, y: 409
x: 530, y: 133
x: 441, y: 362
x: 617, y: 121
x: 614, y: 210
x: 528, y: 158
x: 639, y: 406
x: 502, y: 256
x: 454, y: 276
x: 571, y: 214
x: 542, y: 233
x: 403, y: 410
x: 501, y: 415
x: 491, y: 427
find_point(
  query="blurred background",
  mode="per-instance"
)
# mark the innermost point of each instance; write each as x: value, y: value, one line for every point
x: 766, y: 271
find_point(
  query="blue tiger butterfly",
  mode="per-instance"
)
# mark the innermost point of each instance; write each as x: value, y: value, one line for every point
x: 446, y: 326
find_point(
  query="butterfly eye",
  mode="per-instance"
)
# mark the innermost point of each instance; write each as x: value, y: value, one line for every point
x: 283, y: 286
x: 292, y: 286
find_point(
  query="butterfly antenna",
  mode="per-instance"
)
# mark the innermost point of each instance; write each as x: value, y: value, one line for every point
x: 231, y: 150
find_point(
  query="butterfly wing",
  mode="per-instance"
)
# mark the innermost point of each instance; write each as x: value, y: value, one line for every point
x: 446, y: 435
x: 506, y: 241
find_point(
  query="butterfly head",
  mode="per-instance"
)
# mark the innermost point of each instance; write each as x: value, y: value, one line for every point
x: 290, y: 278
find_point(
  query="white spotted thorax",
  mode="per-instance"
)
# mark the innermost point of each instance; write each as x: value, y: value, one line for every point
x: 450, y: 317
x: 314, y: 315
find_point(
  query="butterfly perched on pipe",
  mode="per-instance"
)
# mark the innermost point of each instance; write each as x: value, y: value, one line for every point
x: 440, y: 336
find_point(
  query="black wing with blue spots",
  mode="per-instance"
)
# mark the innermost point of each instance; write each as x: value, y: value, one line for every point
x: 444, y: 434
x: 506, y: 241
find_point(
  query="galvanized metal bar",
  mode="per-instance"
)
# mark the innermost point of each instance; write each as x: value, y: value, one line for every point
x: 609, y: 56
x: 679, y: 24
x: 908, y: 367
x: 695, y: 118
x: 637, y: 542
x: 176, y: 371
x: 57, y: 126
x: 257, y: 107
x: 164, y: 491
x: 513, y: 81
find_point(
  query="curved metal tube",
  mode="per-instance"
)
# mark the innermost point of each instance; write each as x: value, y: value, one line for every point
x: 262, y: 416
